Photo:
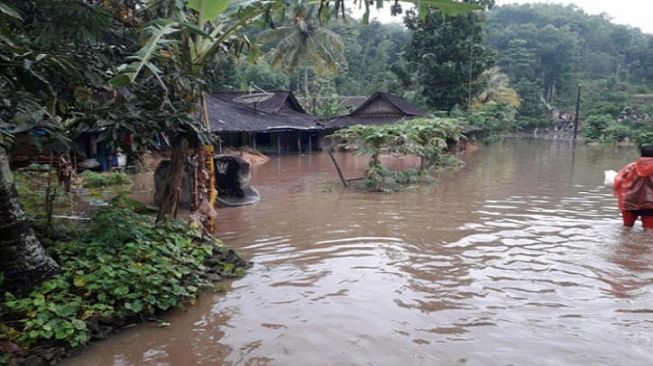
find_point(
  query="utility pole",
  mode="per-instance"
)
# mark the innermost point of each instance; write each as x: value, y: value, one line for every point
x: 577, y: 113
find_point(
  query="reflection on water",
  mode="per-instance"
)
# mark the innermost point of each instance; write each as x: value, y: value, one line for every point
x: 518, y: 258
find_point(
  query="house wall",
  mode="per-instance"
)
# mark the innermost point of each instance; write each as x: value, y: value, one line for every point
x: 273, y: 142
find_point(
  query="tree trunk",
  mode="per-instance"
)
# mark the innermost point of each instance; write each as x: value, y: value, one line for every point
x: 22, y: 258
x: 178, y: 161
x: 211, y: 192
x: 306, y: 83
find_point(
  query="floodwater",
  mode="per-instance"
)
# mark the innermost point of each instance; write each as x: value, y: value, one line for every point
x: 519, y: 258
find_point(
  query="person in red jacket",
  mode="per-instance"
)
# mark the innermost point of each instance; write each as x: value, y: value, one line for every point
x: 633, y: 187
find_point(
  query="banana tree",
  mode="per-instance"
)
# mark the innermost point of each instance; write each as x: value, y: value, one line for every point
x: 187, y: 43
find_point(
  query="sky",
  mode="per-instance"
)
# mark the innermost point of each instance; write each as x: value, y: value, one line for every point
x: 636, y: 13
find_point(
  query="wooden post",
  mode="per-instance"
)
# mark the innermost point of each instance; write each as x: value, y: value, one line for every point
x: 299, y: 142
x: 342, y: 179
x: 278, y: 144
x: 310, y: 143
x: 254, y: 141
x: 577, y: 113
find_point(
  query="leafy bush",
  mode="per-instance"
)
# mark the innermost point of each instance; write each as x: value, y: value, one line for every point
x: 426, y: 138
x: 331, y: 108
x: 493, y: 118
x: 595, y: 126
x: 123, y: 265
x: 644, y: 138
x: 92, y: 179
x: 605, y: 128
x: 617, y: 132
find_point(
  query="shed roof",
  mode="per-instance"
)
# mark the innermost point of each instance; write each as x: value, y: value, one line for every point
x: 229, y: 112
x: 276, y: 100
x: 349, y: 102
x: 401, y: 104
x: 393, y: 108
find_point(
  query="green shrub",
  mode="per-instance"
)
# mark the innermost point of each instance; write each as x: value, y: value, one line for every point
x: 92, y: 179
x: 494, y: 118
x: 123, y: 265
x: 426, y: 138
x: 644, y: 138
x: 595, y: 125
x: 617, y: 132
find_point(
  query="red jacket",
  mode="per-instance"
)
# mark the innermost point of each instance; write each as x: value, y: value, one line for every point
x: 633, y: 186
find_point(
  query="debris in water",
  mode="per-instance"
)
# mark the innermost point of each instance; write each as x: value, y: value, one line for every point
x: 610, y: 175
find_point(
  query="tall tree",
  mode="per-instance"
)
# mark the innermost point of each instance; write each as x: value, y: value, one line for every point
x: 29, y: 100
x: 48, y: 72
x: 447, y: 55
x: 23, y: 260
x: 304, y: 43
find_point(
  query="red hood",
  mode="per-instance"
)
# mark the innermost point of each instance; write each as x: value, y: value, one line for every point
x: 644, y: 167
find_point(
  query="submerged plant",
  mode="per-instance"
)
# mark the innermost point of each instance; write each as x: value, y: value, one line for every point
x: 427, y: 138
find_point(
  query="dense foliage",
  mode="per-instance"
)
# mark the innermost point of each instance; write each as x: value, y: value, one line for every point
x: 605, y: 128
x: 547, y: 50
x: 121, y: 266
x: 447, y: 56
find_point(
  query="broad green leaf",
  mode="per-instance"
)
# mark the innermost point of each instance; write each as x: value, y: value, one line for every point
x: 121, y: 290
x: 253, y: 54
x: 208, y: 9
x: 79, y: 281
x: 9, y: 11
x: 158, y: 30
x: 78, y: 324
x: 121, y: 80
x: 135, y: 306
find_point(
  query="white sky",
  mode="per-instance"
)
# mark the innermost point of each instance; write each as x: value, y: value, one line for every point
x: 636, y: 13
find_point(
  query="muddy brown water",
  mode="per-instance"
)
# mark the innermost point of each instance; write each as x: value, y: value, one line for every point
x: 519, y: 258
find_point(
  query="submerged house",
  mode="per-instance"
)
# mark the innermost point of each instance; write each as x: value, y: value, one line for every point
x: 276, y: 121
x: 269, y: 121
x: 379, y: 109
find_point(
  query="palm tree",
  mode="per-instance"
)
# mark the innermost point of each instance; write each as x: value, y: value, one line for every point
x: 496, y: 89
x: 304, y: 44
